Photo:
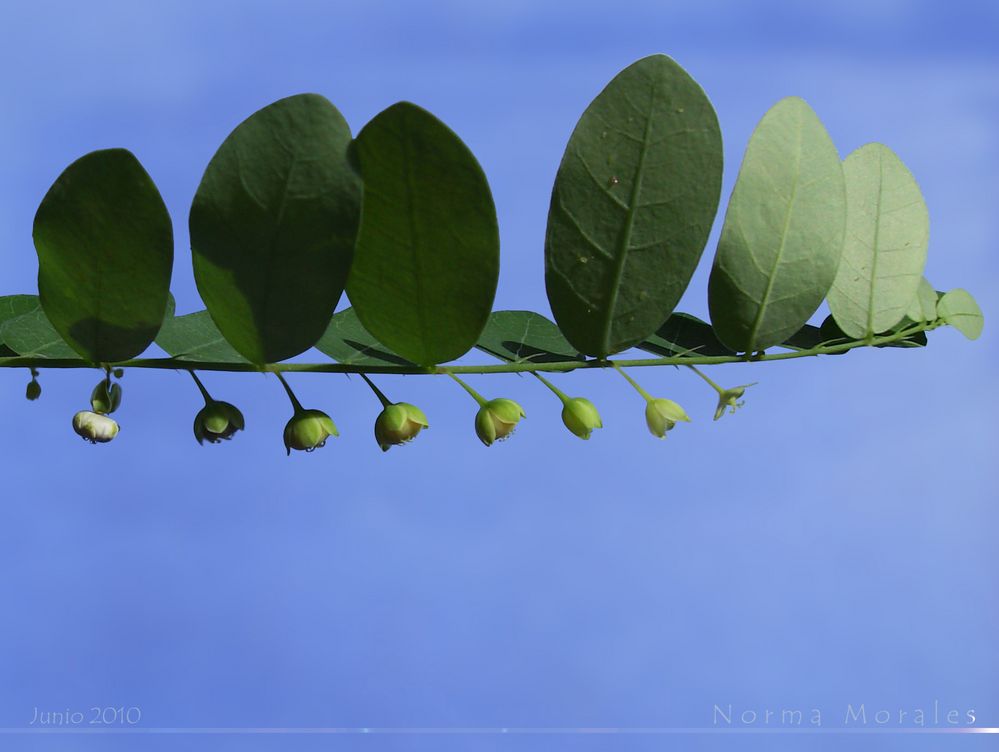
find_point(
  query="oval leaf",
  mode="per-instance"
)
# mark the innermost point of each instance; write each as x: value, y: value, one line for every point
x: 273, y: 227
x: 525, y: 336
x: 958, y: 309
x: 194, y: 336
x: 105, y: 254
x: 683, y: 334
x: 884, y: 249
x: 348, y: 342
x: 783, y: 234
x: 633, y: 203
x: 427, y: 258
x: 32, y: 334
x: 12, y: 306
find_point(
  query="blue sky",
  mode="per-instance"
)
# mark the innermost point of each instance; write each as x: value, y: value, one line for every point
x: 831, y: 544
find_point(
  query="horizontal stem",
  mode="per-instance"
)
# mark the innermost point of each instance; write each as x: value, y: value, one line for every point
x: 519, y: 367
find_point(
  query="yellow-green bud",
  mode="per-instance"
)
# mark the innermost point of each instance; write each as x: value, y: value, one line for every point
x: 580, y: 416
x: 104, y: 399
x: 662, y: 414
x: 399, y: 423
x: 308, y: 430
x: 33, y: 390
x: 496, y: 420
x: 94, y: 427
x: 217, y: 421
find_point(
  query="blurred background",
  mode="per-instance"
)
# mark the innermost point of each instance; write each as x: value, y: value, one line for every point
x: 832, y: 544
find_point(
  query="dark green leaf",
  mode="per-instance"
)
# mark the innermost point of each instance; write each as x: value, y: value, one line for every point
x: 273, y: 227
x: 633, y: 203
x: 806, y: 338
x: 428, y: 247
x: 348, y: 342
x: 683, y: 334
x: 105, y: 254
x: 958, y: 309
x: 884, y: 250
x: 525, y: 336
x: 12, y: 306
x: 783, y: 234
x: 195, y: 337
x: 31, y: 334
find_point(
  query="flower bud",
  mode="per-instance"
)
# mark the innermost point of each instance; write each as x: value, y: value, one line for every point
x: 94, y: 427
x: 399, y: 423
x: 580, y: 416
x: 662, y: 414
x: 217, y: 421
x: 496, y: 420
x: 33, y: 391
x: 308, y: 430
x: 105, y: 399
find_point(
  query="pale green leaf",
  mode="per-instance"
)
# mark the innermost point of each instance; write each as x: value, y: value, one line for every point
x: 783, y: 234
x: 884, y: 249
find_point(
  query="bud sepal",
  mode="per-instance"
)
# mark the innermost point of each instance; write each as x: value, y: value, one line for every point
x: 398, y: 423
x: 497, y: 419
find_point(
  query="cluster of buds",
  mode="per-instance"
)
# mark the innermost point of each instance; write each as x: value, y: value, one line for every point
x: 396, y: 424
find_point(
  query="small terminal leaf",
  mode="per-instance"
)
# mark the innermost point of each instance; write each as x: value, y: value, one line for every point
x: 924, y: 305
x: 783, y: 234
x: 525, y: 336
x: 958, y: 309
x: 633, y: 203
x: 273, y: 226
x: 884, y: 249
x: 105, y: 255
x: 428, y: 247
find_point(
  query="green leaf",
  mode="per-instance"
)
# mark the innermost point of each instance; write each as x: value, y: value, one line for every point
x: 32, y: 334
x: 273, y: 226
x: 348, y: 342
x: 958, y: 309
x: 12, y: 306
x: 783, y: 234
x: 194, y: 336
x: 633, y: 203
x: 525, y: 337
x: 884, y: 249
x: 105, y: 254
x: 806, y: 338
x: 683, y: 334
x: 924, y: 305
x: 428, y: 248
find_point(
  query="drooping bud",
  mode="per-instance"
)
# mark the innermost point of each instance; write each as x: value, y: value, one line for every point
x: 217, y: 421
x: 94, y: 427
x: 308, y: 430
x: 398, y: 423
x: 662, y: 414
x: 33, y: 391
x: 496, y: 420
x: 580, y: 416
x: 106, y: 397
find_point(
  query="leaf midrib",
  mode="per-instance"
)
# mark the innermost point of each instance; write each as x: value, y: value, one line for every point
x: 875, y: 250
x: 625, y: 237
x: 772, y: 277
